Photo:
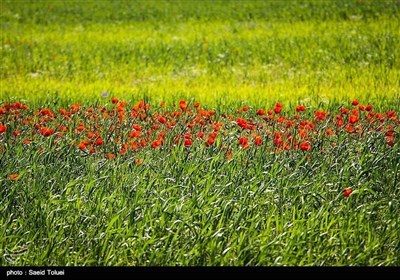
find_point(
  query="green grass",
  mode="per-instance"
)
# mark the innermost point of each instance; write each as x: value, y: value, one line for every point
x: 198, y: 208
x: 195, y: 207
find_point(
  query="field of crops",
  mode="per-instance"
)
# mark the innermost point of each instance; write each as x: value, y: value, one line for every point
x: 206, y: 133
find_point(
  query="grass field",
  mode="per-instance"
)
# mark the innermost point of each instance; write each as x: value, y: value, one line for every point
x: 174, y: 133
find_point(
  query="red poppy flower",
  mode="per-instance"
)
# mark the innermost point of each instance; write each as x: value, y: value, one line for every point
x: 162, y: 120
x: 14, y: 177
x: 258, y: 141
x: 242, y: 123
x: 134, y: 146
x: 320, y: 115
x: 80, y: 128
x: 354, y: 103
x: 303, y: 133
x: 75, y: 107
x: 143, y: 143
x: 62, y: 128
x: 243, y: 142
x: 187, y: 142
x: 63, y: 112
x: 190, y: 125
x: 329, y: 131
x: 339, y: 120
x: 45, y: 131
x: 114, y: 100
x: 379, y: 117
x: 137, y: 127
x: 390, y: 141
x: 251, y: 127
x: 300, y: 108
x: 286, y: 146
x: 90, y: 135
x: 143, y: 116
x: 110, y: 156
x: 350, y: 128
x: 86, y: 142
x: 135, y: 133
x: 353, y: 119
x: 210, y: 141
x: 46, y: 112
x: 260, y: 112
x: 182, y: 105
x: 2, y: 128
x: 344, y: 111
x: 99, y: 141
x: 156, y: 143
x: 389, y: 133
x: 278, y: 108
x: 305, y: 146
x: 391, y: 115
x: 176, y: 114
x: 277, y: 139
x: 200, y: 135
x: 347, y: 192
x: 82, y: 146
x: 368, y: 108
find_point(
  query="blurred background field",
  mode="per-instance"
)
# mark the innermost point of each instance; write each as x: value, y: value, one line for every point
x: 214, y: 52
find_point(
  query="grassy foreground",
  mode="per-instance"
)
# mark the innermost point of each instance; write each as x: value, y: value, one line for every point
x: 319, y: 189
x: 136, y: 185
